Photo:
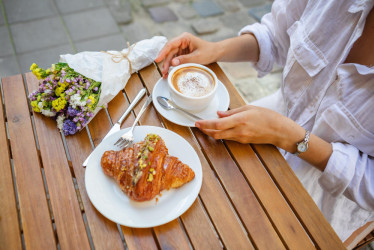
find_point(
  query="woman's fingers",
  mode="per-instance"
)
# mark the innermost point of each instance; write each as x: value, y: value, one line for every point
x: 228, y: 134
x: 216, y: 124
x: 167, y: 62
x: 187, y: 58
x: 230, y: 112
x: 179, y: 42
x: 166, y: 50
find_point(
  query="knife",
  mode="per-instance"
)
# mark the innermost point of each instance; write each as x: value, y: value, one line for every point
x: 117, y: 126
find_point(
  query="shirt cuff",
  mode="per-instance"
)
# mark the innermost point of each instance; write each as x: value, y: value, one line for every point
x: 339, y: 172
x: 265, y: 62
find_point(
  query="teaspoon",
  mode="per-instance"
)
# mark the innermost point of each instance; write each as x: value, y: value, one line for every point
x: 169, y: 105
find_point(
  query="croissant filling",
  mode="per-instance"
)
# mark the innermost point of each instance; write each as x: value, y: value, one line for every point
x: 145, y: 169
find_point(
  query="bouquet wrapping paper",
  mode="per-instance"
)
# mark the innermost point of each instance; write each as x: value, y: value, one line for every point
x: 114, y: 68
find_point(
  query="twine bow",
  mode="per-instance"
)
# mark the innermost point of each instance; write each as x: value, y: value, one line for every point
x: 117, y: 58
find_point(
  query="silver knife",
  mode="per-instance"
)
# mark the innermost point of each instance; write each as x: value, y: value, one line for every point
x: 117, y: 126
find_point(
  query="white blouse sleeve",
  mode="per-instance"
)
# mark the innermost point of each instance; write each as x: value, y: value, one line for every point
x: 271, y: 33
x: 351, y: 173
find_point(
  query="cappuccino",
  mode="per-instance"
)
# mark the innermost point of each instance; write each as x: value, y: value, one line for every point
x: 193, y: 81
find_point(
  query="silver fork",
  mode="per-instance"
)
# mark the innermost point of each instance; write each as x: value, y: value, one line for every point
x: 127, y: 138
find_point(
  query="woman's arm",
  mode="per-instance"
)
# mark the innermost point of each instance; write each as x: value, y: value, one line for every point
x: 252, y: 124
x: 345, y: 170
x: 188, y: 48
x: 290, y: 133
x: 238, y: 49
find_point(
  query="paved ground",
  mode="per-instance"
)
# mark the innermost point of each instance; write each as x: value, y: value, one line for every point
x: 40, y: 30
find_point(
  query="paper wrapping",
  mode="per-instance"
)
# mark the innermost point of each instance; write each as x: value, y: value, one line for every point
x: 111, y: 68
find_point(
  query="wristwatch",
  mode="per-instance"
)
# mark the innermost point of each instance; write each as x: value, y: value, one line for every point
x: 302, y: 146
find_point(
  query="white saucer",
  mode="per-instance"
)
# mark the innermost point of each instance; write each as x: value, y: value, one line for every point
x: 220, y: 102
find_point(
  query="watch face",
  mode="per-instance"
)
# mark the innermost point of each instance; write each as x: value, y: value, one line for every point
x: 302, y: 147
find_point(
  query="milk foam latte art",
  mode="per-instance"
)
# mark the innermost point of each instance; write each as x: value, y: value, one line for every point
x: 192, y: 86
x: 193, y: 81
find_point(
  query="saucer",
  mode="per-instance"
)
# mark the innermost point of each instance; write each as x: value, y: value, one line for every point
x: 220, y: 102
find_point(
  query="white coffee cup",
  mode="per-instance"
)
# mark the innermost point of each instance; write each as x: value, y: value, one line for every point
x: 193, y: 81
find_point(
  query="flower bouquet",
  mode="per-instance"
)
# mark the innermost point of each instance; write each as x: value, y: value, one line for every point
x: 65, y: 95
x: 75, y: 89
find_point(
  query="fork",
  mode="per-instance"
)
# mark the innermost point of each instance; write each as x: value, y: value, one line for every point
x: 127, y: 138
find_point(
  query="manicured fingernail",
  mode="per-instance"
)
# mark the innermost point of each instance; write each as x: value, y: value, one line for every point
x: 197, y: 125
x: 176, y: 62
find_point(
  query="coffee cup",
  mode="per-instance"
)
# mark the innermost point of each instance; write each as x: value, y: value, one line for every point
x: 192, y: 86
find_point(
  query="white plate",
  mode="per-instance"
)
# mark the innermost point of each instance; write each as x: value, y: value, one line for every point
x: 109, y: 200
x: 220, y: 102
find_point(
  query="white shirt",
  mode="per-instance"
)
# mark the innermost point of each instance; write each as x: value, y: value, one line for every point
x: 333, y: 100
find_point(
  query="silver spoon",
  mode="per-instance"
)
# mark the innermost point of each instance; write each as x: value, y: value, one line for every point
x: 169, y: 105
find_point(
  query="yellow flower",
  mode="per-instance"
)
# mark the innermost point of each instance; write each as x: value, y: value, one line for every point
x: 48, y: 71
x: 92, y: 101
x: 61, y: 89
x: 37, y: 73
x: 33, y: 66
x: 35, y: 106
x: 59, y: 103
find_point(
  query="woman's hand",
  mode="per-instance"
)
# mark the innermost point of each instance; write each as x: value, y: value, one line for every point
x: 247, y: 124
x: 252, y: 124
x: 186, y: 48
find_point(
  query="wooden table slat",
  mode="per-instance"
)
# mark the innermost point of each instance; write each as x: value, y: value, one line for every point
x: 251, y: 212
x: 104, y: 233
x: 201, y: 237
x: 36, y: 220
x: 139, y: 238
x: 65, y: 205
x: 171, y: 236
x: 215, y: 200
x: 319, y: 230
x: 10, y: 233
x: 277, y: 209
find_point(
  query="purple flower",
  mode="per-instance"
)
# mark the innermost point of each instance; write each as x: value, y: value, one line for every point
x: 96, y: 89
x: 72, y: 112
x: 32, y: 96
x: 69, y: 127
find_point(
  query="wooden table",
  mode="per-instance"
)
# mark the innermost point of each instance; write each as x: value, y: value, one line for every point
x: 250, y: 197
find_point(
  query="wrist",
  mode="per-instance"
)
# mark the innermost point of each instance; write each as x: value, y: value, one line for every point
x: 219, y: 51
x: 288, y: 135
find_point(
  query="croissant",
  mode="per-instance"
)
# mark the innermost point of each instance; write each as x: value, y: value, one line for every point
x: 145, y: 169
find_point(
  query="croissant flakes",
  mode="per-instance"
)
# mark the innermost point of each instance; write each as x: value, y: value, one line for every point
x: 144, y: 170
